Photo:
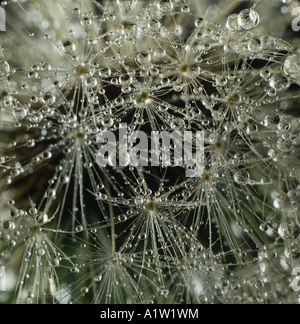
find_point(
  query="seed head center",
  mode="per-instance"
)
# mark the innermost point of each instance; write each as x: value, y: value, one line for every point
x: 80, y: 136
x: 184, y: 69
x: 151, y: 206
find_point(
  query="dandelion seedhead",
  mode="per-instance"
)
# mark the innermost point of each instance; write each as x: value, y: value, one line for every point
x: 73, y: 231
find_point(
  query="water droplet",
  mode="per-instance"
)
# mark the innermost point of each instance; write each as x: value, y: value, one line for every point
x: 86, y: 21
x: 144, y: 58
x: 98, y: 278
x: 142, y: 236
x: 41, y: 252
x: 139, y: 200
x: 232, y: 23
x: 248, y: 19
x: 289, y: 230
x: 55, y: 262
x: 74, y: 269
x: 30, y: 143
x: 20, y: 112
x: 265, y: 74
x: 279, y: 82
x: 69, y: 47
x: 160, y: 53
x: 48, y: 99
x: 163, y: 292
x: 33, y: 75
x: 285, y: 145
x: 185, y: 9
x: 4, y: 68
x: 8, y: 225
x: 221, y: 81
x: 165, y: 7
x: 79, y: 228
x: 292, y: 66
x: 242, y: 177
x: 255, y: 45
x: 91, y: 83
x: 122, y: 218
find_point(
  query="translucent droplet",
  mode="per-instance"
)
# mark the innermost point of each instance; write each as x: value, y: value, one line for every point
x: 279, y: 82
x: 255, y: 45
x: 30, y: 143
x: 289, y: 230
x: 199, y: 22
x: 4, y: 68
x: 292, y: 66
x: 242, y: 177
x: 165, y: 6
x: 163, y: 292
x: 55, y: 262
x: 33, y: 75
x: 8, y: 225
x: 79, y: 228
x: 139, y: 200
x: 49, y: 99
x: 144, y: 58
x: 160, y: 53
x: 122, y: 218
x: 20, y: 112
x: 285, y: 145
x: 232, y: 23
x: 91, y: 83
x: 86, y: 21
x: 98, y: 278
x: 265, y: 74
x: 52, y: 193
x: 271, y: 120
x: 221, y: 81
x: 264, y: 227
x: 185, y: 9
x: 142, y: 236
x: 248, y: 19
x: 69, y: 47
x: 41, y: 252
x: 74, y: 269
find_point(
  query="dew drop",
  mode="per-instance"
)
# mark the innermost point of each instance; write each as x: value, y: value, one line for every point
x: 289, y: 230
x: 248, y: 19
x: 4, y: 68
x: 48, y: 99
x: 69, y: 47
x: 144, y: 58
x: 185, y: 9
x: 20, y: 112
x: 98, y: 278
x: 41, y: 252
x: 165, y: 7
x: 292, y: 66
x: 232, y: 23
x: 242, y: 177
x: 160, y: 53
x: 86, y: 21
x: 255, y: 45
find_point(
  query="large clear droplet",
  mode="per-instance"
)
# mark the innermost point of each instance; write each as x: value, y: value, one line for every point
x: 292, y: 66
x: 165, y: 7
x: 248, y: 19
x: 4, y: 68
x: 69, y: 47
x: 289, y: 230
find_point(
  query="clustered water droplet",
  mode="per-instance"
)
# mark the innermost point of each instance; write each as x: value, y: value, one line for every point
x: 76, y: 231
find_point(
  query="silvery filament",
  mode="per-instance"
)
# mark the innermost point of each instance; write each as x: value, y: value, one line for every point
x: 149, y: 151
